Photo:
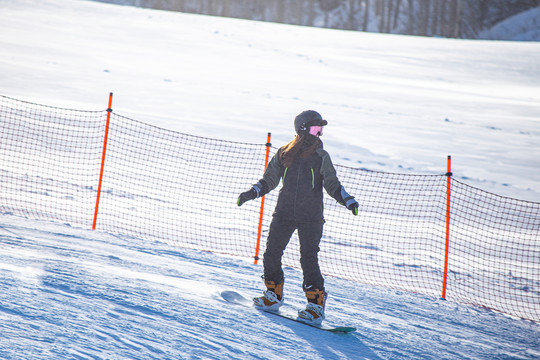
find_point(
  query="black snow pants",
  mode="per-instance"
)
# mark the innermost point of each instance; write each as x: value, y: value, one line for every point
x: 309, y: 234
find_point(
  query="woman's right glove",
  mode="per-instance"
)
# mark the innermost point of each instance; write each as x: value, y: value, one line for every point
x: 245, y: 196
x: 251, y: 194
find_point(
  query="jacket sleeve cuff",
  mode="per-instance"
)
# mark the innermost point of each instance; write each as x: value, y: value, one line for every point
x: 261, y: 188
x: 343, y: 197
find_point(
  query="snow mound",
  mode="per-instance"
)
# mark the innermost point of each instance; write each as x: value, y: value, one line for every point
x: 520, y: 27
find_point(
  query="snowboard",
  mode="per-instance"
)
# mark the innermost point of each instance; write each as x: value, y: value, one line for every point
x: 286, y: 313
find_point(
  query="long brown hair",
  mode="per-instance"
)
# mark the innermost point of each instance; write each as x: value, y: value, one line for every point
x: 302, y: 146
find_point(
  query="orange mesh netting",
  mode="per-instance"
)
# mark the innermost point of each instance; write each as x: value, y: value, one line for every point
x: 178, y: 188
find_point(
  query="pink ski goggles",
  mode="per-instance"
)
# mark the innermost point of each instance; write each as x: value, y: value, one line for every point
x: 316, y: 130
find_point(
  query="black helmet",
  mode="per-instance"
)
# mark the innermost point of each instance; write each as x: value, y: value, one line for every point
x: 306, y: 119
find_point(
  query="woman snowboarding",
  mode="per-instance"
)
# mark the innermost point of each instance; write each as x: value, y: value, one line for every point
x: 304, y: 168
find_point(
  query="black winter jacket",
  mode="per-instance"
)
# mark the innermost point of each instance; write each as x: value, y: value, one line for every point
x: 301, y: 198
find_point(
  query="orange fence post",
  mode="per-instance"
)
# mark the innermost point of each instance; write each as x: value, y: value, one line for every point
x: 109, y: 110
x: 268, y: 144
x: 447, y: 246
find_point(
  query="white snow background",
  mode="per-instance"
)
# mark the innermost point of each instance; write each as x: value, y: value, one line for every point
x: 394, y: 103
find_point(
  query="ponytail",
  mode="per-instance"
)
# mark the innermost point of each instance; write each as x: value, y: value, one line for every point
x: 302, y: 146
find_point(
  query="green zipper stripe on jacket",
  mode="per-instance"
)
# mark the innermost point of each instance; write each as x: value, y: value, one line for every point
x: 284, y: 173
x: 312, y: 179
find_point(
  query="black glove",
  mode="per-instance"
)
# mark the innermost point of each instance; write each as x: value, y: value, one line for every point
x: 353, y: 206
x: 348, y: 201
x: 245, y: 196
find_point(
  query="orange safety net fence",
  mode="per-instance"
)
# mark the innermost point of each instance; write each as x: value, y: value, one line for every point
x: 178, y: 188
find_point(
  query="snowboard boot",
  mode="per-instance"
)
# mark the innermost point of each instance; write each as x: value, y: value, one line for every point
x: 314, y: 310
x: 272, y: 298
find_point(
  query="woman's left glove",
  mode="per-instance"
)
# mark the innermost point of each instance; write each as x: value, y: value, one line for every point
x: 349, y: 201
x: 353, y: 206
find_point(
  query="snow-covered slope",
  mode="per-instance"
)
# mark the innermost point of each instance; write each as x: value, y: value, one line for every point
x: 67, y: 293
x: 394, y: 103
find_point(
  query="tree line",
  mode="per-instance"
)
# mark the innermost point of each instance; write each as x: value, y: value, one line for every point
x: 444, y: 18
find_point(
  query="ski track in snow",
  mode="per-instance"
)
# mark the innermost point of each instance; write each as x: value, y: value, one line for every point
x: 75, y: 293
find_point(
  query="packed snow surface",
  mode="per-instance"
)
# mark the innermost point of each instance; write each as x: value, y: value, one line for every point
x: 394, y: 103
x: 68, y: 293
